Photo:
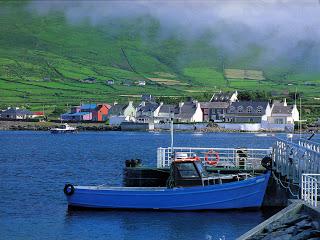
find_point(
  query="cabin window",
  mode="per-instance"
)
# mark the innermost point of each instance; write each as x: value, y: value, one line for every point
x: 232, y: 109
x: 201, y: 170
x: 249, y: 109
x: 240, y: 109
x: 187, y: 170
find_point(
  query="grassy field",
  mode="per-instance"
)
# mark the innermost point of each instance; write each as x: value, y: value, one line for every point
x: 43, y: 60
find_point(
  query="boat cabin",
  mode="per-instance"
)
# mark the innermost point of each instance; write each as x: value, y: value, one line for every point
x: 188, y: 172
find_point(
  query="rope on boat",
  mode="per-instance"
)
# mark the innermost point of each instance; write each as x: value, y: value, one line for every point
x: 285, y: 187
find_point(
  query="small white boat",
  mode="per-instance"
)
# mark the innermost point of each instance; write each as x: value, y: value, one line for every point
x: 65, y: 128
x: 264, y: 134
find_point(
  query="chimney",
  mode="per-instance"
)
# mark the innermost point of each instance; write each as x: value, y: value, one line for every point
x: 130, y: 103
x: 285, y: 102
x: 115, y: 103
x: 181, y: 104
x: 161, y: 103
x: 143, y: 103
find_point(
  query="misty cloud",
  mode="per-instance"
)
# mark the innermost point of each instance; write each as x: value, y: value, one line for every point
x: 289, y: 29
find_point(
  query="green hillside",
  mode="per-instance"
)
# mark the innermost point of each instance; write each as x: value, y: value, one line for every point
x: 44, y: 60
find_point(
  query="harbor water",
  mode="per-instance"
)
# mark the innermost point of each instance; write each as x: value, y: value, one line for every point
x: 34, y: 166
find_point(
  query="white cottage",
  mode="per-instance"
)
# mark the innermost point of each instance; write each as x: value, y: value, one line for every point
x: 281, y: 113
x: 188, y: 112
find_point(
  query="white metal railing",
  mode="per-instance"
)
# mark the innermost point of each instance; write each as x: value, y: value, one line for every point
x: 292, y: 160
x: 310, y: 145
x: 245, y: 158
x: 310, y: 184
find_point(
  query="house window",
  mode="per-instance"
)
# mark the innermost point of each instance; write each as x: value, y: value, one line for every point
x: 278, y: 121
x: 240, y: 109
x: 249, y: 109
x: 232, y: 109
x: 259, y: 109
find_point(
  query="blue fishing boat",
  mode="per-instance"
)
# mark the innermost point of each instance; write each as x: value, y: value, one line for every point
x: 189, y: 187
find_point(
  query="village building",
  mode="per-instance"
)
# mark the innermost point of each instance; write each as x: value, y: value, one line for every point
x: 214, y: 111
x: 127, y: 110
x: 282, y: 113
x: 87, y: 112
x: 248, y: 112
x: 224, y: 97
x: 110, y: 82
x: 141, y: 83
x: 147, y: 98
x: 89, y: 80
x: 100, y: 114
x: 166, y: 112
x: 16, y: 113
x: 38, y: 114
x: 147, y: 111
x: 121, y: 112
x: 188, y: 112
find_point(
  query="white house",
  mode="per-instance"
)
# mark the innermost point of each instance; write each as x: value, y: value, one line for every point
x: 147, y: 111
x: 121, y: 112
x: 281, y: 113
x: 142, y: 83
x: 188, y: 112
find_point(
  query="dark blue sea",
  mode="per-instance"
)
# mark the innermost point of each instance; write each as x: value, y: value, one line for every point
x: 34, y: 166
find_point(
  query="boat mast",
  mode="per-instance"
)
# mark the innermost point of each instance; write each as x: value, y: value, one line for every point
x: 171, y: 130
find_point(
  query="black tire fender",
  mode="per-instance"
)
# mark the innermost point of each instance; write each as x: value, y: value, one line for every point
x: 68, y: 189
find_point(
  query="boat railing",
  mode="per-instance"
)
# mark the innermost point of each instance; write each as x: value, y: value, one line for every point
x: 310, y: 191
x: 243, y: 158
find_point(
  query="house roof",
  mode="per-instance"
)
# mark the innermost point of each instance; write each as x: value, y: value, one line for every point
x: 99, y: 106
x: 186, y: 111
x: 88, y: 106
x: 17, y: 111
x: 38, y: 113
x: 167, y: 108
x: 76, y: 114
x: 214, y: 104
x: 117, y: 109
x: 149, y: 107
x: 233, y: 108
x: 221, y: 97
x: 147, y: 97
x: 282, y: 109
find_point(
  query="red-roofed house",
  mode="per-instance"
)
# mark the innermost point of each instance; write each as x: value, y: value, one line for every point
x: 37, y: 114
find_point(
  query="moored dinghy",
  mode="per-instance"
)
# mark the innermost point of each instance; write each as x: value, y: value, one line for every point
x: 189, y: 187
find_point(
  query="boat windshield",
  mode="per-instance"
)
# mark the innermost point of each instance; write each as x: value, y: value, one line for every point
x: 187, y: 170
x: 201, y: 169
x: 63, y: 126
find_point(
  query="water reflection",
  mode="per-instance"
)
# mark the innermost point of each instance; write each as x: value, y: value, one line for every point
x: 126, y: 224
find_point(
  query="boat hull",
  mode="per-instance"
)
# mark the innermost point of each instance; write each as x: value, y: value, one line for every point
x: 62, y: 131
x: 243, y: 194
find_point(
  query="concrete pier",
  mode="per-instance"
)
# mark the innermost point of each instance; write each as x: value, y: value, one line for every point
x: 297, y: 221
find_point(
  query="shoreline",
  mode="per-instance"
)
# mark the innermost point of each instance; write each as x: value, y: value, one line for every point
x: 46, y: 126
